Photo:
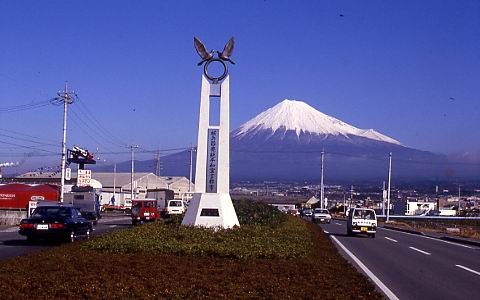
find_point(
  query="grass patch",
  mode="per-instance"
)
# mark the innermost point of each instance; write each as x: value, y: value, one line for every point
x: 288, y: 239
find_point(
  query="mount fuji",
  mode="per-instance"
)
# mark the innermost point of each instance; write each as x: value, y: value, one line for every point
x: 292, y: 117
x: 285, y: 143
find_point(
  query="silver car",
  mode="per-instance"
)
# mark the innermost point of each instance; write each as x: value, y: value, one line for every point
x: 321, y: 215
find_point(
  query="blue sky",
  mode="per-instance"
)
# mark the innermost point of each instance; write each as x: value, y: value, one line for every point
x: 408, y: 69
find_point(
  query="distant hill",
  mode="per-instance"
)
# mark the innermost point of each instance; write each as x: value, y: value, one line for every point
x: 284, y: 143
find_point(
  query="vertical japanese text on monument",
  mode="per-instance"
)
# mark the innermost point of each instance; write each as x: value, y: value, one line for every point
x: 212, y: 161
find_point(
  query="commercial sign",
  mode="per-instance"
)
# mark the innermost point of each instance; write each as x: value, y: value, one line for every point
x: 212, y: 160
x: 84, y: 177
x: 31, y: 207
x: 68, y: 174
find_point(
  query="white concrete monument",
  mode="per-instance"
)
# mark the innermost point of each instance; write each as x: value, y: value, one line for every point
x: 211, y: 205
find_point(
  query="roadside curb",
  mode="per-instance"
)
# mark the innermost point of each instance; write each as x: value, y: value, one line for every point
x: 404, y: 230
x: 460, y: 240
x: 443, y: 237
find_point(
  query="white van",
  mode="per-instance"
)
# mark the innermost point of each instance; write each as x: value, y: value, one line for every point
x: 175, y: 207
x: 362, y: 220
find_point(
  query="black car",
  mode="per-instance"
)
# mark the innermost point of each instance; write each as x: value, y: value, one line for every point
x: 57, y: 222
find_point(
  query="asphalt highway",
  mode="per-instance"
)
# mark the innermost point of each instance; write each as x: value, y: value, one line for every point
x: 409, y: 266
x: 13, y: 244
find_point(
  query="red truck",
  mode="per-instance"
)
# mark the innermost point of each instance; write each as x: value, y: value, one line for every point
x: 144, y: 210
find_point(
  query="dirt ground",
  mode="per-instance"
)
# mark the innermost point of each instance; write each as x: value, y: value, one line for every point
x: 75, y: 273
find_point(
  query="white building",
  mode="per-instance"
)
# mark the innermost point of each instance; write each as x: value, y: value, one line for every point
x: 142, y: 183
x: 419, y: 207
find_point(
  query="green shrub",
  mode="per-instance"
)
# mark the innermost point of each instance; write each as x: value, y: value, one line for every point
x: 258, y: 213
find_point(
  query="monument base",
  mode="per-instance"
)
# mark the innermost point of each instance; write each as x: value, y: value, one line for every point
x: 211, y: 210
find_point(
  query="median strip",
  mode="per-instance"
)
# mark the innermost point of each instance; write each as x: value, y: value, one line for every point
x: 468, y: 269
x: 369, y: 273
x: 421, y: 251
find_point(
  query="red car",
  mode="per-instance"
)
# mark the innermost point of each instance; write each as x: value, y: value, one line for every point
x: 144, y: 210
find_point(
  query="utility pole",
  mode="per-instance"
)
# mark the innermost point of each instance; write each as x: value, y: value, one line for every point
x: 64, y: 97
x: 383, y: 199
x: 459, y: 197
x: 344, y: 204
x: 389, y: 183
x: 114, y: 181
x: 321, y: 182
x: 132, y: 149
x: 191, y: 167
x: 351, y: 196
x: 157, y: 163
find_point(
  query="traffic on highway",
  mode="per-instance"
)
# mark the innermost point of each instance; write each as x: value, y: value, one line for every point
x: 410, y: 266
x: 12, y: 243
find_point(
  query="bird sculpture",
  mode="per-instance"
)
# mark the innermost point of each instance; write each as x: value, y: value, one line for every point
x: 227, y: 51
x: 202, y: 51
x: 206, y: 56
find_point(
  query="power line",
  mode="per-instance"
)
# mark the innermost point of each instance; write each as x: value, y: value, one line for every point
x: 27, y: 135
x: 103, y: 129
x: 22, y: 107
x: 28, y: 140
x: 77, y: 120
x: 28, y: 147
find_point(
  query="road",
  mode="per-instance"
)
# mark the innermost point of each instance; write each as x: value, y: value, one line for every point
x: 412, y: 266
x: 13, y: 244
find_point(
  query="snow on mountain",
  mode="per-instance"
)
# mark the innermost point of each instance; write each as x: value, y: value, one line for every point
x: 298, y: 116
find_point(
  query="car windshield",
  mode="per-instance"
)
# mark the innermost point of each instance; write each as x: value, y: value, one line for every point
x: 51, y: 212
x: 175, y: 203
x: 148, y: 204
x: 364, y: 214
x: 321, y: 211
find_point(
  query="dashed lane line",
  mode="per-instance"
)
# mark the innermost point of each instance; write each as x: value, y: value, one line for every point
x: 390, y: 239
x: 338, y: 224
x: 421, y: 251
x: 430, y: 238
x: 112, y: 226
x: 369, y: 273
x: 326, y: 231
x: 468, y: 269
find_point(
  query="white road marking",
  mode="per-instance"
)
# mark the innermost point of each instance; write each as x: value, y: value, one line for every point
x: 112, y: 226
x: 430, y: 238
x: 369, y: 273
x: 468, y: 269
x: 390, y: 239
x: 421, y: 251
x: 338, y: 224
x: 326, y: 231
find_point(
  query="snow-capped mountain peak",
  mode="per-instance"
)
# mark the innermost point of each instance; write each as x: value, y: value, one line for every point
x: 298, y: 116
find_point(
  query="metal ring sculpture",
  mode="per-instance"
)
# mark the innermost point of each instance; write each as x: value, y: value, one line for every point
x: 215, y: 79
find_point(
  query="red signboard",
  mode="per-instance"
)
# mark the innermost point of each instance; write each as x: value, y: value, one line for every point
x: 18, y: 195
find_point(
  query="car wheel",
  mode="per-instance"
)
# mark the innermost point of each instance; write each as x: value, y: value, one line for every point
x: 31, y: 239
x: 372, y: 235
x: 349, y: 232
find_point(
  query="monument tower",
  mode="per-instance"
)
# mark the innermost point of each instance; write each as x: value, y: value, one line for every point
x: 211, y: 205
